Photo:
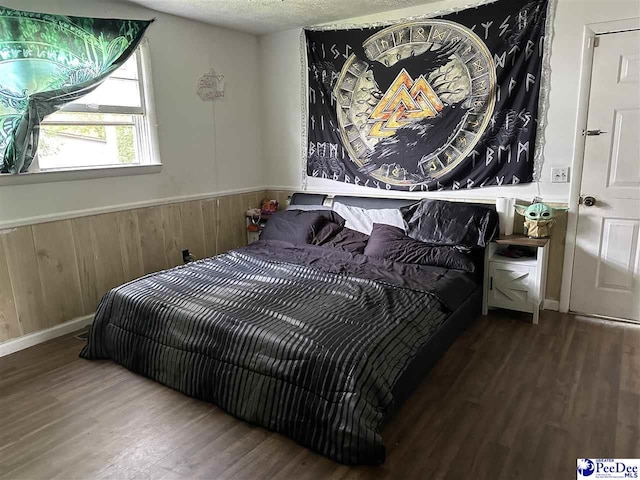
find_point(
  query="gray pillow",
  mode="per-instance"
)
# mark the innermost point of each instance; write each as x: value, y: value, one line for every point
x: 348, y: 240
x: 327, y: 212
x: 294, y: 226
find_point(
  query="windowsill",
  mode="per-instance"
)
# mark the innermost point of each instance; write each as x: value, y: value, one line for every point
x: 78, y: 174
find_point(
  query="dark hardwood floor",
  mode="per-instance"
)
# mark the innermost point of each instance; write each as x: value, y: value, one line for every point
x: 509, y: 400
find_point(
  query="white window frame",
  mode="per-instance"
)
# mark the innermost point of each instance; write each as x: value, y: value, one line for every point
x: 84, y: 108
x: 147, y: 148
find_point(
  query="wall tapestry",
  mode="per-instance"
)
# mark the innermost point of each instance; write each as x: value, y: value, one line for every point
x: 436, y: 103
x: 47, y: 61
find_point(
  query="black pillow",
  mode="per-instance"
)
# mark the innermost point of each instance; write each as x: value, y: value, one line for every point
x: 348, y: 240
x: 438, y: 222
x: 391, y: 243
x: 294, y: 226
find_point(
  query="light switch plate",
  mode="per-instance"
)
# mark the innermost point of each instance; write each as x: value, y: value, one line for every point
x: 559, y: 174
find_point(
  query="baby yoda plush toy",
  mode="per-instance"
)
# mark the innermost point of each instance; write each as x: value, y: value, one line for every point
x: 538, y: 219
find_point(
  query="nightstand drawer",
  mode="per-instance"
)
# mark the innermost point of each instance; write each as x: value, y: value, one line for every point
x: 512, y: 286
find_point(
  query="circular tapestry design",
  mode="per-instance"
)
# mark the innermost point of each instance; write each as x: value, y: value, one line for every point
x: 417, y: 106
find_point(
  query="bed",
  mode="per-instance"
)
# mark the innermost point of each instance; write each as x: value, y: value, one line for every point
x: 319, y: 344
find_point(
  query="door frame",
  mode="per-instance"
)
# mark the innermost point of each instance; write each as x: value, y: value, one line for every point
x: 579, y: 142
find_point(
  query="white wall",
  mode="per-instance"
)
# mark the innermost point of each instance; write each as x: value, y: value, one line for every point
x: 257, y: 136
x: 281, y: 67
x: 181, y: 51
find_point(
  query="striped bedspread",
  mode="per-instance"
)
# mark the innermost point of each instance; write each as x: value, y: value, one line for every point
x: 302, y: 350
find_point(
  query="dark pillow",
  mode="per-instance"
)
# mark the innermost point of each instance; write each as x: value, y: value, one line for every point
x: 293, y: 226
x: 438, y: 222
x: 322, y: 210
x: 326, y: 233
x: 391, y: 243
x: 348, y: 240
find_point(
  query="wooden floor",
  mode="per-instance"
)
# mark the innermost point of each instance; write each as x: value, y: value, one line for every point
x: 509, y: 400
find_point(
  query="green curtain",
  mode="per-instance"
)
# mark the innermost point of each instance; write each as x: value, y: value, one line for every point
x: 47, y: 61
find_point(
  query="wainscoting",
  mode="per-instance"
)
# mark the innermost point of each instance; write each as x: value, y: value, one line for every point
x: 54, y: 272
x: 51, y: 273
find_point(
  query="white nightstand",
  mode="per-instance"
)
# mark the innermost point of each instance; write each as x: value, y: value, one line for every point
x: 516, y: 283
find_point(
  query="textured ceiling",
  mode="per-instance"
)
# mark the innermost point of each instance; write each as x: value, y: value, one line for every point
x: 264, y: 16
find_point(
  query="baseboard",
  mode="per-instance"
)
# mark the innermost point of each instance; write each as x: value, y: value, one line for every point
x: 35, y: 338
x: 550, y: 304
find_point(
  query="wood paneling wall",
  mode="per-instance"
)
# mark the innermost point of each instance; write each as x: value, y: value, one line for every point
x: 280, y: 195
x: 54, y: 272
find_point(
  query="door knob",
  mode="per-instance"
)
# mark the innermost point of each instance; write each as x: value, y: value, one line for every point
x: 592, y: 133
x: 588, y: 201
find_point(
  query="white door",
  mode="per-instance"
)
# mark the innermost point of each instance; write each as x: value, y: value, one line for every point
x: 606, y: 278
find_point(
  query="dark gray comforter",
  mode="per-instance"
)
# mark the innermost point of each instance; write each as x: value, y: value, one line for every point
x: 303, y: 340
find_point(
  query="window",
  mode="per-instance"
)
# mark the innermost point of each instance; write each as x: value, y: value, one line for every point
x: 110, y: 127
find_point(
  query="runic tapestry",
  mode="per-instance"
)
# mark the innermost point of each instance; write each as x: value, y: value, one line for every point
x: 435, y: 103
